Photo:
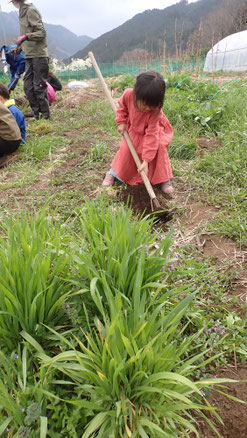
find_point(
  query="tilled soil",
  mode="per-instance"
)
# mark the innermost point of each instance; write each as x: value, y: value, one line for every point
x: 138, y: 198
x: 232, y: 413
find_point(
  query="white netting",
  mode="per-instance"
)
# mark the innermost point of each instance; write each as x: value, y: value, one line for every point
x: 229, y: 54
x: 3, y: 61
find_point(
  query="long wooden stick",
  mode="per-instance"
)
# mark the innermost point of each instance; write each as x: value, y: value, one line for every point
x: 126, y: 135
x: 12, y: 84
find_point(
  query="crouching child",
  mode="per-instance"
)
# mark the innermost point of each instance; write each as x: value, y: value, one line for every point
x: 17, y: 114
x: 10, y: 135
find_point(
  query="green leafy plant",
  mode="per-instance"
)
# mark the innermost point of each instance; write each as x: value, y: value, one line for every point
x: 65, y: 418
x: 22, y: 405
x: 29, y: 404
x: 114, y: 245
x: 131, y: 371
x: 34, y: 274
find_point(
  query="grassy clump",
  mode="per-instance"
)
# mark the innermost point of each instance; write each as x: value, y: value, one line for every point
x: 34, y: 275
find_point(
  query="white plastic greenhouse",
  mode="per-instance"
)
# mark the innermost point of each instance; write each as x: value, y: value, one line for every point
x: 229, y: 54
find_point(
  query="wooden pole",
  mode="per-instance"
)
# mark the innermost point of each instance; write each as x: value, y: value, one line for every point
x: 126, y: 135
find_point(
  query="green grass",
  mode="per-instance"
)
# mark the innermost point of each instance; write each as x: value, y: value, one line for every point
x: 97, y: 154
x: 219, y: 176
x: 120, y: 307
x: 34, y: 275
x: 38, y: 148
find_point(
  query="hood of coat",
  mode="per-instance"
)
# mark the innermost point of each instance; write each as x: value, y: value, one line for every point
x: 23, y: 9
x: 18, y: 4
x: 9, y: 102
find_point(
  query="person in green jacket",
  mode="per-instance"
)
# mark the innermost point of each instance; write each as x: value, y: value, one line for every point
x: 34, y: 45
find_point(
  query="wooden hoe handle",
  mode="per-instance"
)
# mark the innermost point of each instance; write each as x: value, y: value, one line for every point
x: 126, y: 135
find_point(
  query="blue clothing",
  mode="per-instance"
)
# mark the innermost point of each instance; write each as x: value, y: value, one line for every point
x: 19, y: 117
x: 112, y: 172
x: 16, y: 63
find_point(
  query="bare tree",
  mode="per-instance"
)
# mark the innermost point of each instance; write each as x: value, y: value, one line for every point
x: 132, y: 55
x: 240, y: 18
x: 230, y: 17
x: 179, y: 44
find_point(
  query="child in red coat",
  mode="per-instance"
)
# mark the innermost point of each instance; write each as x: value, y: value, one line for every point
x: 140, y: 113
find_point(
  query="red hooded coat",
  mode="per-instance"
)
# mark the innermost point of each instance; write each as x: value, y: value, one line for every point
x: 150, y: 133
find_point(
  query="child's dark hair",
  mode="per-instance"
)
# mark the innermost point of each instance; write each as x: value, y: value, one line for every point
x: 150, y: 88
x: 4, y: 92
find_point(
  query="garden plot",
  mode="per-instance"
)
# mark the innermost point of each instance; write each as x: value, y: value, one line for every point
x: 201, y: 265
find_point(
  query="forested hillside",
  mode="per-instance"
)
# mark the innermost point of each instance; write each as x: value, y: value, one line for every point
x: 61, y: 41
x: 163, y: 32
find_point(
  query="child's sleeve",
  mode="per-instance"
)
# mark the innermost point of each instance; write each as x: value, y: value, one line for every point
x: 22, y: 125
x: 158, y: 132
x: 21, y: 65
x: 57, y: 84
x: 167, y: 131
x: 23, y: 130
x: 122, y: 110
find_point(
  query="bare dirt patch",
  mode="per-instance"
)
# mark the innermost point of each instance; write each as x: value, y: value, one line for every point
x: 138, y: 198
x: 240, y: 290
x: 195, y: 217
x: 231, y: 412
x: 207, y: 145
x: 220, y: 247
x: 80, y: 96
x: 191, y: 227
x: 72, y: 133
x: 220, y: 80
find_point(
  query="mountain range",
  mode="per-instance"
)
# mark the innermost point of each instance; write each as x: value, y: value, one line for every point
x: 62, y: 43
x: 170, y: 31
x: 190, y: 28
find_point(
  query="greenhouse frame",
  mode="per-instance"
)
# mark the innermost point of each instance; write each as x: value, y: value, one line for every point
x: 229, y: 54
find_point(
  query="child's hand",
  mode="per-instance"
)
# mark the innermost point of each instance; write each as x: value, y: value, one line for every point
x: 122, y: 128
x: 143, y: 166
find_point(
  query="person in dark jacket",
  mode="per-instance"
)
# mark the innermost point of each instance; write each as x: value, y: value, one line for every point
x: 16, y: 60
x: 53, y: 85
x: 54, y: 81
x: 10, y: 104
x: 33, y: 41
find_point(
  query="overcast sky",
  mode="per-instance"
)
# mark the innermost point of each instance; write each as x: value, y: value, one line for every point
x: 91, y: 17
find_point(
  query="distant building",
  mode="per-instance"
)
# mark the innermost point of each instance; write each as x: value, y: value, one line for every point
x: 229, y: 54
